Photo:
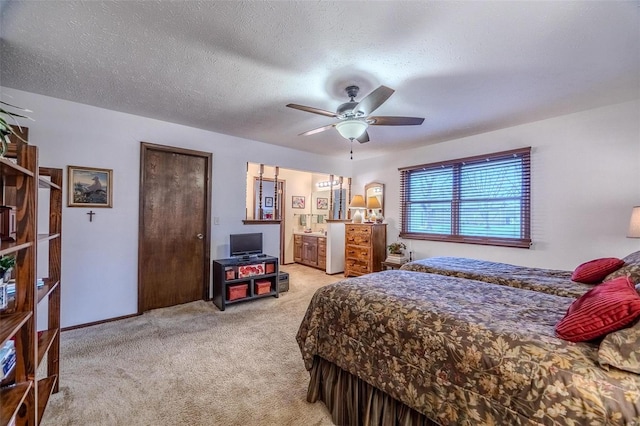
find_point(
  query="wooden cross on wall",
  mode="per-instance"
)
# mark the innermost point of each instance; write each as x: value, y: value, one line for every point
x: 91, y: 213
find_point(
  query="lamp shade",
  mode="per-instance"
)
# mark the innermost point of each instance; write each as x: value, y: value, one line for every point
x: 357, y: 202
x: 373, y: 203
x: 351, y: 129
x: 634, y: 223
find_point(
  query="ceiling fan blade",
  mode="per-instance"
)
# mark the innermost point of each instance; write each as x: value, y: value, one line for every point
x: 318, y: 130
x: 395, y: 121
x: 363, y: 138
x: 373, y: 100
x: 312, y: 110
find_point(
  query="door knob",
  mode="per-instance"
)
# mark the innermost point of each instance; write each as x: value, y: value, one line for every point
x: 200, y: 236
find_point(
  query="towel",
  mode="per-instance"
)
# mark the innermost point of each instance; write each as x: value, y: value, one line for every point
x: 303, y: 220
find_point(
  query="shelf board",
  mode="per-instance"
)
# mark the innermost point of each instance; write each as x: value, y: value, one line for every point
x: 45, y: 339
x: 12, y: 397
x: 45, y: 387
x: 45, y: 290
x: 7, y: 247
x: 47, y: 237
x: 47, y: 184
x: 9, y: 168
x: 256, y: 296
x: 11, y: 324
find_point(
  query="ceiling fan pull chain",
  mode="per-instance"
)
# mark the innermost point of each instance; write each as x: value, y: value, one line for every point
x: 351, y: 152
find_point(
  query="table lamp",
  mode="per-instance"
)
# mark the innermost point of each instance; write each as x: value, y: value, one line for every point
x: 373, y: 204
x: 634, y: 223
x: 357, y: 203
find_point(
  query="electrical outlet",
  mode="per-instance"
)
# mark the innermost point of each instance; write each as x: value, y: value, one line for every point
x: 216, y: 220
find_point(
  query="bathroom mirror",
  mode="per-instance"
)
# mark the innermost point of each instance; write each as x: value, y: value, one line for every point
x: 374, y: 197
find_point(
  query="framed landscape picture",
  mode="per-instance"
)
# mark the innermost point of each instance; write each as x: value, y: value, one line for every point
x: 89, y: 187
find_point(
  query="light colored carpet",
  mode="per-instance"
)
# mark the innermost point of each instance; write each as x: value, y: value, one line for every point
x: 193, y: 365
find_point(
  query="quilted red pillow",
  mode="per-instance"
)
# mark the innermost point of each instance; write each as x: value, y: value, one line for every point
x: 594, y: 271
x: 605, y: 308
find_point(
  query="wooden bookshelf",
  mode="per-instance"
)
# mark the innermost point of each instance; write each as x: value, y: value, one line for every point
x: 25, y: 400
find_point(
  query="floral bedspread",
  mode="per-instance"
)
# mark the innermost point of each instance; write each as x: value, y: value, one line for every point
x: 464, y: 352
x: 544, y: 280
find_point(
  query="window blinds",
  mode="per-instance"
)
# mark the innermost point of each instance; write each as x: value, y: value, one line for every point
x: 483, y: 200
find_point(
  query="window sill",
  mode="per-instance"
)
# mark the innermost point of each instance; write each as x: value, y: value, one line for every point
x: 487, y: 241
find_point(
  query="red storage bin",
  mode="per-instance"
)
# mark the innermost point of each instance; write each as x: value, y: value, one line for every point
x: 238, y: 291
x: 263, y: 287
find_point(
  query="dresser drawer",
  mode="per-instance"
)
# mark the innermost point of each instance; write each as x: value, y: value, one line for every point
x: 357, y: 252
x: 357, y: 267
x: 358, y: 239
x: 358, y: 230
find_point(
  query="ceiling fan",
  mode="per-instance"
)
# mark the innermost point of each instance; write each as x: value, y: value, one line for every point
x: 354, y: 116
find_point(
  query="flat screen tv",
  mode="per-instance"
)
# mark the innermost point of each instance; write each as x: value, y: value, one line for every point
x: 245, y: 244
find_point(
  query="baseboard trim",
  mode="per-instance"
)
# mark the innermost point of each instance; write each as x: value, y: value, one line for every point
x: 89, y: 324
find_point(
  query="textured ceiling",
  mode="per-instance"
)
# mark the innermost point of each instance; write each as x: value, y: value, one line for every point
x: 232, y: 66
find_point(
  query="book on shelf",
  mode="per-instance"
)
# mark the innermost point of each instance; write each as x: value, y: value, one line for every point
x: 7, y: 358
x: 11, y: 285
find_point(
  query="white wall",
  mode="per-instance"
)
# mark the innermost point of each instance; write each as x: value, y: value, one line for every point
x: 585, y: 179
x: 99, y: 258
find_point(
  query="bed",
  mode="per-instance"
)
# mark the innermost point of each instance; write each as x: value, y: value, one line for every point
x: 550, y: 281
x: 544, y: 280
x: 414, y: 348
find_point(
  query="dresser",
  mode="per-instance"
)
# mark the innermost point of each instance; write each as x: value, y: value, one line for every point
x: 365, y: 248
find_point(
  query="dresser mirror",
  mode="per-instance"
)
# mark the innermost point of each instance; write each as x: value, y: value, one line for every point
x: 374, y: 197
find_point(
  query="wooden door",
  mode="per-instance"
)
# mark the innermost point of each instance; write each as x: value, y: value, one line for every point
x: 174, y: 214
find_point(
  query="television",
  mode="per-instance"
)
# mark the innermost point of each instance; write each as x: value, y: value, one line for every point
x: 245, y: 244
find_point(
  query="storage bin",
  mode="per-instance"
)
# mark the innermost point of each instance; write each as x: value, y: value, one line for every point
x: 263, y: 286
x: 238, y: 291
x: 229, y: 273
x: 270, y: 268
x: 283, y: 282
x: 250, y: 270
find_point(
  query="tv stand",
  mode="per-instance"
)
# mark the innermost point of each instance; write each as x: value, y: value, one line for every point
x: 240, y: 279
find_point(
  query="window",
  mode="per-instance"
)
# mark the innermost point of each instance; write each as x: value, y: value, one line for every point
x: 479, y: 200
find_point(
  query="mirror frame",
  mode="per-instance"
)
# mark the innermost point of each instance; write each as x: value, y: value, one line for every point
x: 371, y: 186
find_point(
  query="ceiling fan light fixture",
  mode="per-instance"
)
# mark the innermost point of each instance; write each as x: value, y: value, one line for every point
x: 351, y: 129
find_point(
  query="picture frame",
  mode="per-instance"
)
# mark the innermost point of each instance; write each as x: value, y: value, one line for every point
x: 268, y: 201
x: 89, y: 187
x: 322, y: 203
x: 297, y: 202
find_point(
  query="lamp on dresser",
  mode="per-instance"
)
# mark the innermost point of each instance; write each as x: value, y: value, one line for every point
x: 634, y: 223
x: 374, y: 206
x: 357, y: 203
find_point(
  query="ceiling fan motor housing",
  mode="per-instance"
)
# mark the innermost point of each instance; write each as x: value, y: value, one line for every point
x: 346, y: 109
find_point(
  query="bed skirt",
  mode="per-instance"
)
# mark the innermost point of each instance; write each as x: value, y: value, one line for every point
x: 353, y: 402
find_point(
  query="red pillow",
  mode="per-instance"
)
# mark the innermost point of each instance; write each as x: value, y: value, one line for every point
x: 605, y: 308
x: 594, y: 271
